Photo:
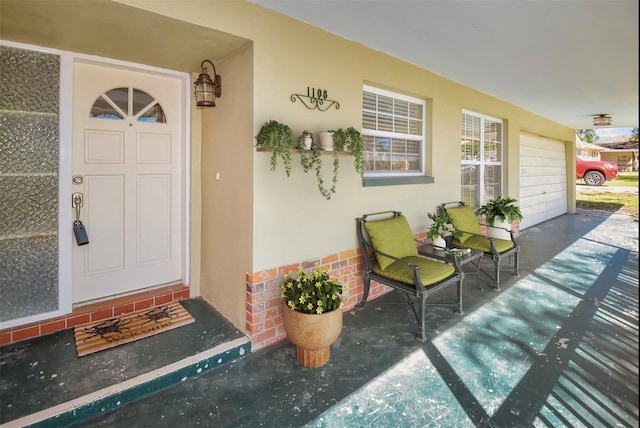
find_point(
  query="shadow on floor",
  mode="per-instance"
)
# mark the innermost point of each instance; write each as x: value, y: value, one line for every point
x: 557, y: 346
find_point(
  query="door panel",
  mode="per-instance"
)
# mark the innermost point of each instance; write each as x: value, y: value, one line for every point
x: 127, y: 145
x: 105, y: 252
x: 154, y: 218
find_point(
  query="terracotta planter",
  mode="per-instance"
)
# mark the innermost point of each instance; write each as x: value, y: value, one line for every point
x: 312, y: 334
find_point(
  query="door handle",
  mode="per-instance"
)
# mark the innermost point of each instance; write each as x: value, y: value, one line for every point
x: 79, y: 231
x: 77, y: 201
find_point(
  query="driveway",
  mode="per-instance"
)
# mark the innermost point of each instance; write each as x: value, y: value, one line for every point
x: 606, y: 189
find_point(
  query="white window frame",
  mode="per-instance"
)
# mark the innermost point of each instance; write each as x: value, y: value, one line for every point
x: 391, y: 135
x: 482, y: 159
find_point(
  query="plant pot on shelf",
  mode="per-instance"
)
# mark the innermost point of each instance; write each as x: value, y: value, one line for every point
x: 313, y: 334
x: 326, y: 140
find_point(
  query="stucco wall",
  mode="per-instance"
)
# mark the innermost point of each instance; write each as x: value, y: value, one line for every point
x: 227, y: 189
x: 262, y: 219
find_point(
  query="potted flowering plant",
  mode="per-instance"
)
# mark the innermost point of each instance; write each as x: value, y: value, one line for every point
x: 313, y: 313
x: 441, y: 229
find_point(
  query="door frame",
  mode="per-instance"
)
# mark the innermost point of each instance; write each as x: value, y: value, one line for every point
x: 65, y: 239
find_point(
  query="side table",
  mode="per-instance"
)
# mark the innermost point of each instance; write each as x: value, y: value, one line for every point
x: 446, y: 255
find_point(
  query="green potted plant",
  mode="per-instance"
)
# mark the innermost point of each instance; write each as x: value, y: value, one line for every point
x: 313, y: 313
x: 350, y: 140
x: 441, y: 229
x: 500, y: 212
x: 279, y: 138
x: 305, y: 140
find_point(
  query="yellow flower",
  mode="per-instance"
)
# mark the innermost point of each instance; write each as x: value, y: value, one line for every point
x: 319, y: 310
x: 310, y: 306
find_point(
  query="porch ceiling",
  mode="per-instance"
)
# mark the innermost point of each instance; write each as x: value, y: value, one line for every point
x: 113, y: 30
x: 563, y: 60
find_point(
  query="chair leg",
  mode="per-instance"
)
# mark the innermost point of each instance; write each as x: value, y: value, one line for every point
x: 517, y: 263
x: 422, y: 301
x: 366, y: 281
x: 496, y: 262
x: 459, y: 287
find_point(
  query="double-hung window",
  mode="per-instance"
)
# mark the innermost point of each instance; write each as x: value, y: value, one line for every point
x: 481, y: 158
x: 393, y: 128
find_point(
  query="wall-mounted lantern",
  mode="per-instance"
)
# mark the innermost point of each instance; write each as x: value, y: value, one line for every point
x: 207, y: 90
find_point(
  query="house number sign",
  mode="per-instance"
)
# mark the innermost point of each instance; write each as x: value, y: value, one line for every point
x: 315, y: 99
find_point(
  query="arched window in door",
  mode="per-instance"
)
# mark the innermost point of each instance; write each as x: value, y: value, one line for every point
x: 128, y: 103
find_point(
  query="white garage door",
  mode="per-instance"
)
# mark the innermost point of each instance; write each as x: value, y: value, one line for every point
x: 543, y: 179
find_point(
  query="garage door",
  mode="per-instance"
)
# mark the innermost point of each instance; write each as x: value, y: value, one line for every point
x: 543, y: 179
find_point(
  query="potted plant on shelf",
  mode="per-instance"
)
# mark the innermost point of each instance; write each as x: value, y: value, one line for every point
x: 305, y: 140
x: 279, y: 138
x: 500, y: 212
x: 326, y: 141
x: 313, y: 313
x: 441, y: 229
x: 350, y: 140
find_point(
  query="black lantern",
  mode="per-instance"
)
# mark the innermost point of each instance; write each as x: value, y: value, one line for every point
x: 207, y: 90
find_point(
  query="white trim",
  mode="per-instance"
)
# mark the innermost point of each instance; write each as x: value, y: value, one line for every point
x: 65, y: 240
x: 390, y: 134
x: 65, y: 290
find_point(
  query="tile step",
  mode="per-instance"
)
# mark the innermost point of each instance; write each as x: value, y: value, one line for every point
x: 114, y: 396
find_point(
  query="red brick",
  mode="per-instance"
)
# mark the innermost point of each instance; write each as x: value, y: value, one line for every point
x: 78, y: 319
x: 274, y: 313
x: 262, y: 276
x: 184, y: 294
x: 347, y: 254
x: 165, y: 298
x: 287, y: 269
x: 53, y: 326
x: 264, y: 336
x: 143, y: 304
x: 123, y: 309
x: 25, y: 333
x: 102, y: 314
x: 329, y: 259
x: 5, y: 337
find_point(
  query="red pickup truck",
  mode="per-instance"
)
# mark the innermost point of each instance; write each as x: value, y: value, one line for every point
x: 595, y: 172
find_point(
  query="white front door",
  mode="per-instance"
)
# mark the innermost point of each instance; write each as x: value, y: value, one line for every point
x: 127, y: 166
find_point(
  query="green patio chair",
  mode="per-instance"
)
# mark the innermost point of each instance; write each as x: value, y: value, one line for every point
x: 464, y: 219
x: 390, y: 257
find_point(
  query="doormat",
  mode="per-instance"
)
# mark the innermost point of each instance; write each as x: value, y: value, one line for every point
x: 104, y: 334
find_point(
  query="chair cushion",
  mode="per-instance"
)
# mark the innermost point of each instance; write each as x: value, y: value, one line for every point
x: 430, y: 271
x: 392, y: 236
x: 482, y: 243
x: 464, y: 219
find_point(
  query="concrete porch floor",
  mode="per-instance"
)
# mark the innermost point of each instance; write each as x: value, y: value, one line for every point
x: 557, y: 346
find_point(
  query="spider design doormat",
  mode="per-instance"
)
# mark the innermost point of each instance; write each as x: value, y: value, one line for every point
x: 104, y: 334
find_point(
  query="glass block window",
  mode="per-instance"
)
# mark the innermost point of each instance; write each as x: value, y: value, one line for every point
x: 392, y: 133
x: 29, y: 158
x: 481, y: 145
x: 128, y: 103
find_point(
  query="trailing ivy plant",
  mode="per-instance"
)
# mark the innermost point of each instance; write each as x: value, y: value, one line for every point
x: 279, y: 138
x: 312, y: 159
x: 350, y: 140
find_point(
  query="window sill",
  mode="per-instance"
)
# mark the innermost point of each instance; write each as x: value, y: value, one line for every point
x: 395, y: 181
